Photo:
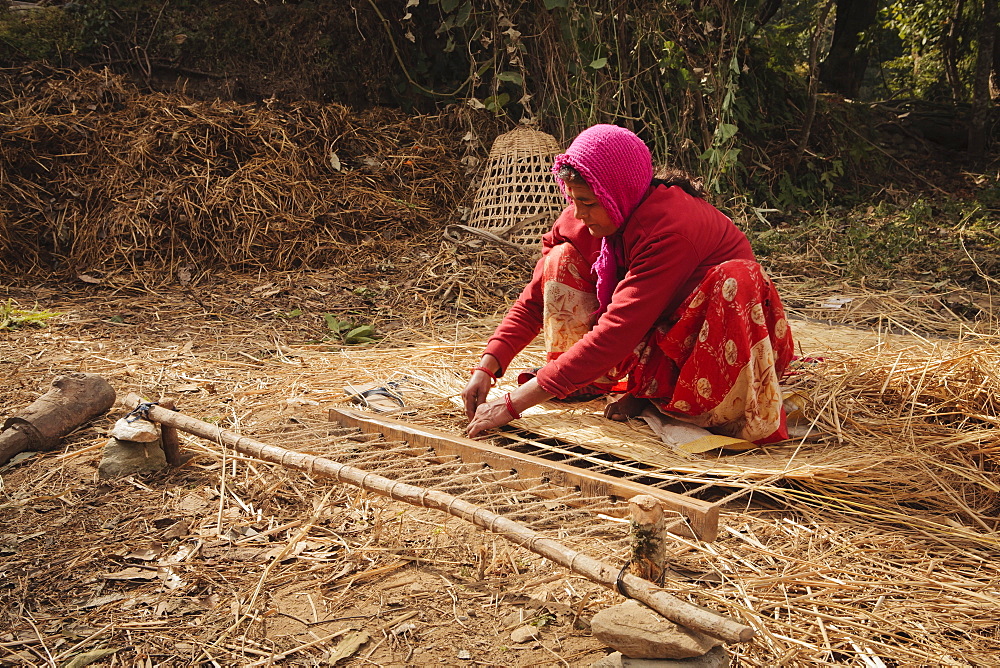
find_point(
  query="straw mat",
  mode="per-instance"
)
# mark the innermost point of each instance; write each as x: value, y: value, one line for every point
x: 584, y: 425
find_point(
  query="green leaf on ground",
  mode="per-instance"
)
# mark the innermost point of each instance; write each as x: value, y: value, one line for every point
x: 12, y: 317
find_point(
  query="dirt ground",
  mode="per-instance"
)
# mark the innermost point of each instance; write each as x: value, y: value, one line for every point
x: 226, y: 561
x: 83, y: 559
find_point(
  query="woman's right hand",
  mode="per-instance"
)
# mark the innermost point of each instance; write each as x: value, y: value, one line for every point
x: 475, y: 392
x: 479, y: 384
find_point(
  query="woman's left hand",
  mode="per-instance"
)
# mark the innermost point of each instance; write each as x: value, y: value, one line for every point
x: 489, y: 416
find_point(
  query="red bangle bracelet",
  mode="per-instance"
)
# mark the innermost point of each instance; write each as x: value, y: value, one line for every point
x: 510, y: 406
x: 493, y: 378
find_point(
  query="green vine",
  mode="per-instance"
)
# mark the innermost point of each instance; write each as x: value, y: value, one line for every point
x: 402, y: 63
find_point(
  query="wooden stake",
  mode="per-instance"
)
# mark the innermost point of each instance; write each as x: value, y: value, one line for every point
x: 648, y: 537
x: 169, y: 438
x: 674, y: 609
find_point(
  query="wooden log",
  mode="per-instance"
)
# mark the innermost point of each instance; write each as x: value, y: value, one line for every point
x: 674, y: 609
x: 702, y: 516
x: 73, y: 399
x: 648, y: 537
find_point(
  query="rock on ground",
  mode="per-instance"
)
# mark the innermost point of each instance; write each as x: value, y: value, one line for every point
x: 121, y: 458
x: 139, y: 431
x: 639, y: 633
x: 524, y: 634
x: 717, y: 657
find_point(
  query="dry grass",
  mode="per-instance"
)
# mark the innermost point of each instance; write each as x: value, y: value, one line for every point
x: 98, y: 177
x: 909, y: 307
x: 894, y: 562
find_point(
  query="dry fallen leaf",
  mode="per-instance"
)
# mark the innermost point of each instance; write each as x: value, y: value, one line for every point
x: 132, y: 574
x: 87, y: 658
x: 178, y: 530
x: 347, y: 647
x: 148, y: 553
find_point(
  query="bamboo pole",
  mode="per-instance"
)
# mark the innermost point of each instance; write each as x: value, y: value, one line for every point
x: 672, y: 608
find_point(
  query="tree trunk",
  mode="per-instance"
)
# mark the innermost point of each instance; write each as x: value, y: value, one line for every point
x: 949, y: 48
x: 73, y: 399
x: 767, y: 10
x: 995, y: 79
x: 807, y: 123
x: 844, y: 67
x: 981, y: 100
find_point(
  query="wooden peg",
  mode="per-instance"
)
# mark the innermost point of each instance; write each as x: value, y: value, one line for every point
x: 646, y: 528
x: 169, y: 438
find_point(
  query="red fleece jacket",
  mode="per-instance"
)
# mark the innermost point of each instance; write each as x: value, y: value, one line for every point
x: 670, y: 241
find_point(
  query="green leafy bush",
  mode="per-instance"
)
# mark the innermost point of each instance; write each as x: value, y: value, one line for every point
x: 44, y: 34
x: 349, y: 332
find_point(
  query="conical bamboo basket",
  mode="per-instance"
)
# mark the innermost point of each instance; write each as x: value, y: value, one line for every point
x: 519, y: 199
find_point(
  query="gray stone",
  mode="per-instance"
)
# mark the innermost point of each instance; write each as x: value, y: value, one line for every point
x: 717, y: 657
x: 122, y: 458
x: 524, y: 633
x: 515, y: 618
x: 639, y: 633
x: 139, y: 431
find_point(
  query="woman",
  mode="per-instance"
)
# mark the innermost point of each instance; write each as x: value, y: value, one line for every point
x: 643, y: 287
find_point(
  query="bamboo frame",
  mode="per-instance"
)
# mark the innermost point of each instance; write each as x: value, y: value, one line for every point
x: 672, y: 608
x: 702, y: 516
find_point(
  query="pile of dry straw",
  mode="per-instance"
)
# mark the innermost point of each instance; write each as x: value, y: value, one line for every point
x: 100, y: 176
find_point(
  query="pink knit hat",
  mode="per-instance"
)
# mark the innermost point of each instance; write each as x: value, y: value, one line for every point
x: 615, y: 163
x: 618, y: 167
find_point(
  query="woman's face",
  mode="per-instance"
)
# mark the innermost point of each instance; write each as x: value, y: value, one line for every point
x: 587, y: 209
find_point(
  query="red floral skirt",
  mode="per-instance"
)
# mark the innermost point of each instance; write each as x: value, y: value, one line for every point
x: 714, y: 362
